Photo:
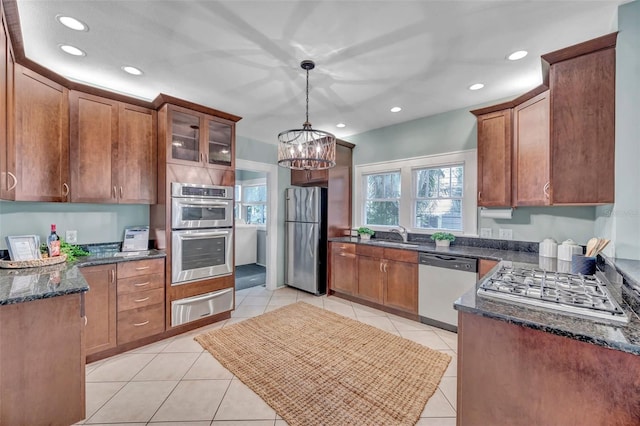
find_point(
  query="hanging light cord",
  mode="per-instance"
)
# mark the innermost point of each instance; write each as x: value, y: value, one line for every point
x: 306, y: 123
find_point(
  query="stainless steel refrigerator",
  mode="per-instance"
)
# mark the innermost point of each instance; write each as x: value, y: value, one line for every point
x: 306, y: 239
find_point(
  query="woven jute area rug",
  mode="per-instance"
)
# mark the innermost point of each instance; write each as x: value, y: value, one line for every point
x: 315, y: 367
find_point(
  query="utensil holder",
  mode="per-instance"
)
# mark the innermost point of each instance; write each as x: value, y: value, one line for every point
x: 581, y: 264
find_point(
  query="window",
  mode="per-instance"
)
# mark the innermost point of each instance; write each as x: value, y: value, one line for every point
x: 251, y: 203
x: 424, y: 194
x: 382, y: 201
x: 438, y: 198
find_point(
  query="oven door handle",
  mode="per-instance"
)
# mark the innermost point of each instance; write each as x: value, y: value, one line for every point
x: 205, y: 204
x: 201, y: 235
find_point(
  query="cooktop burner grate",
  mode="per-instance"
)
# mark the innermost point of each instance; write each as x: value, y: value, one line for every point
x: 573, y: 293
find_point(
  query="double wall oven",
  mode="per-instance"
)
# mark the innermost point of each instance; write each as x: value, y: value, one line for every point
x: 201, y: 246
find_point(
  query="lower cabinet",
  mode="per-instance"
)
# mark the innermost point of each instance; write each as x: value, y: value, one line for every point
x: 100, y: 308
x: 385, y: 277
x: 125, y: 302
x: 343, y: 268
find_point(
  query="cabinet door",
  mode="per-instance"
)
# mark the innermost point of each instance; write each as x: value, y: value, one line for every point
x: 370, y: 279
x: 219, y: 142
x: 100, y: 307
x: 401, y: 286
x: 484, y: 266
x: 583, y: 129
x: 494, y: 159
x: 137, y: 155
x: 343, y: 268
x: 184, y: 137
x: 93, y: 141
x: 309, y: 177
x: 42, y: 138
x: 5, y: 180
x: 531, y: 183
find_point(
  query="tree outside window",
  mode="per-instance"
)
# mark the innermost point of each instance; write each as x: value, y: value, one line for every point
x: 438, y: 199
x: 382, y: 199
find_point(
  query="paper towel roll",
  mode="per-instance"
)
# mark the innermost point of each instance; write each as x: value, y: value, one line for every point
x: 496, y: 213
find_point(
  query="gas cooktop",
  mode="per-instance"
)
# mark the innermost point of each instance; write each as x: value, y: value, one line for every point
x: 571, y: 293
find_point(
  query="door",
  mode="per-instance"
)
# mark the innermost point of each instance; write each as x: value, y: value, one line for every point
x: 184, y: 138
x: 219, y: 141
x: 302, y: 204
x: 301, y: 245
x: 494, y: 159
x: 370, y: 278
x: 100, y: 308
x: 401, y: 286
x: 343, y: 268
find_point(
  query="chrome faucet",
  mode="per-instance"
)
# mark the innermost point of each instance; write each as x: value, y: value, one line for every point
x: 402, y: 231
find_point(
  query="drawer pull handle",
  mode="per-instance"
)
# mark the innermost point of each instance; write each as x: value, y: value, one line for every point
x: 141, y: 284
x: 142, y: 268
x: 141, y: 300
x: 140, y: 324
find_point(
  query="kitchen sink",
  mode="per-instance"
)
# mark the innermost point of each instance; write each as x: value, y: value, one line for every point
x: 396, y: 244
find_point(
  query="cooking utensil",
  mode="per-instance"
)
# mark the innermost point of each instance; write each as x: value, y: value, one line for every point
x: 591, y: 245
x: 602, y: 243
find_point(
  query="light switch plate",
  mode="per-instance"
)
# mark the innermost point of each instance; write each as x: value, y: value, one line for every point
x: 485, y: 232
x: 71, y: 236
x: 506, y: 234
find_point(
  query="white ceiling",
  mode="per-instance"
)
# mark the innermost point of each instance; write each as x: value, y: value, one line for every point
x: 243, y: 57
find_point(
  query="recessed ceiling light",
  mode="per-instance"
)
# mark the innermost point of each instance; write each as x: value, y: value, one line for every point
x: 72, y: 50
x: 72, y: 23
x: 131, y: 70
x: 476, y: 86
x: 395, y: 109
x: 341, y: 125
x: 517, y: 55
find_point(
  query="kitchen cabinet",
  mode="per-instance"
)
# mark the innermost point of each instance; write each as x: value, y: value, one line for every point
x: 388, y: 277
x: 41, y: 149
x: 42, y: 381
x: 343, y: 277
x: 582, y: 91
x: 562, y: 132
x: 484, y: 266
x: 323, y: 177
x: 494, y: 158
x: 7, y: 174
x: 531, y: 158
x: 113, y: 151
x: 100, y: 307
x: 141, y: 299
x: 198, y: 139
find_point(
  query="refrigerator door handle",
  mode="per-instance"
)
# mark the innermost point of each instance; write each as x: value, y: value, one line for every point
x: 310, y: 240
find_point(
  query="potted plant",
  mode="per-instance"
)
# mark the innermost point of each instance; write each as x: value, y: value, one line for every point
x: 443, y: 239
x: 365, y: 233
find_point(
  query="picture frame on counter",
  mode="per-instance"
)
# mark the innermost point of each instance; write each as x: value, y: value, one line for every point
x: 23, y: 247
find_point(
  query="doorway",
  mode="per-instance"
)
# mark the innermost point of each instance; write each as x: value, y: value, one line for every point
x: 256, y: 215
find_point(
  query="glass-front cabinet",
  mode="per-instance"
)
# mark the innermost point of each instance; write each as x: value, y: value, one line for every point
x: 199, y: 139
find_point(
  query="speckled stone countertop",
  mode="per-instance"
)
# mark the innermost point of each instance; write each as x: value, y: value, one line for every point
x: 620, y: 275
x: 24, y: 285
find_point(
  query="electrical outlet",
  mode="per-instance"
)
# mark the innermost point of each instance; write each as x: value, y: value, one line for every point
x: 71, y: 236
x: 506, y: 234
x: 485, y: 232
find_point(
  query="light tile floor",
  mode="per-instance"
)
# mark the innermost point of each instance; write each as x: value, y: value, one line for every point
x: 175, y: 382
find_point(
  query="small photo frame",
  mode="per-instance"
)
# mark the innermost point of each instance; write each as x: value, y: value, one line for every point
x: 23, y: 247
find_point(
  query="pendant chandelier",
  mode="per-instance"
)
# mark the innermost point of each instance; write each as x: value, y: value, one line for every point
x: 306, y: 148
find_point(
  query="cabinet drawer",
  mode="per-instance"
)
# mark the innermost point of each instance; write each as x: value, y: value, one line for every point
x: 141, y: 283
x: 140, y: 267
x: 135, y: 324
x: 343, y: 248
x: 409, y: 256
x: 140, y: 299
x: 371, y: 251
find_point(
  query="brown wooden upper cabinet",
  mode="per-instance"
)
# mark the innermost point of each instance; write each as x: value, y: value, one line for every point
x: 563, y: 134
x: 322, y: 177
x: 113, y: 151
x: 7, y: 168
x: 198, y: 139
x: 40, y: 154
x: 494, y: 158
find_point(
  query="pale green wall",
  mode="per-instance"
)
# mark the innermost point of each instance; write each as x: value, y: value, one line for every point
x: 456, y: 131
x: 621, y: 222
x: 95, y: 223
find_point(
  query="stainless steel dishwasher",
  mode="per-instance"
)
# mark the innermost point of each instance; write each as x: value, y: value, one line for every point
x: 443, y: 279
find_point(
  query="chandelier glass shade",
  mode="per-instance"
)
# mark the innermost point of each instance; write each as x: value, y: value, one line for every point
x: 306, y: 148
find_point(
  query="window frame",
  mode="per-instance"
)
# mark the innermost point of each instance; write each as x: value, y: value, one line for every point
x: 241, y: 204
x: 364, y: 192
x: 415, y: 199
x: 406, y: 166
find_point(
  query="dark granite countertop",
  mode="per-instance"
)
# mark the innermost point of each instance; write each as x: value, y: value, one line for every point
x: 623, y: 337
x: 24, y: 285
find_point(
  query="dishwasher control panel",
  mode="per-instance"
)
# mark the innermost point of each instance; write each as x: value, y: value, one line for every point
x: 450, y: 262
